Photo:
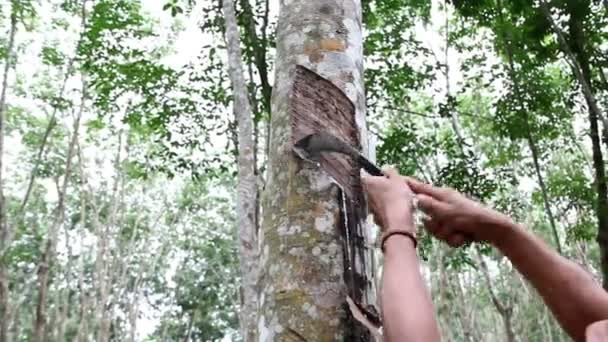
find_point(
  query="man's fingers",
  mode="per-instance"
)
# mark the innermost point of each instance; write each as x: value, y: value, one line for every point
x: 419, y: 187
x: 436, y: 229
x: 456, y: 240
x: 431, y: 206
x: 368, y: 180
x: 390, y: 172
x: 431, y: 225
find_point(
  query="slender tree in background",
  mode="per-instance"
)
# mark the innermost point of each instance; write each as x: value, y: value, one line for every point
x: 246, y: 206
x: 50, y: 245
x: 577, y: 50
x: 305, y: 264
x: 5, y: 232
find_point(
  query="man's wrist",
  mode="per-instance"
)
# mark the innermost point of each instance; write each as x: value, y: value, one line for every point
x: 407, y: 226
x: 398, y: 242
x: 505, y: 232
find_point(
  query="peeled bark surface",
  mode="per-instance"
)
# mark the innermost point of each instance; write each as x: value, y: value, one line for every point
x: 314, y: 243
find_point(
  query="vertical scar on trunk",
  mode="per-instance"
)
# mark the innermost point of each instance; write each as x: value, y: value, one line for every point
x: 315, y: 105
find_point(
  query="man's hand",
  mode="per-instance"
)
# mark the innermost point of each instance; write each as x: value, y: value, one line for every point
x: 407, y: 308
x: 456, y: 219
x: 390, y: 200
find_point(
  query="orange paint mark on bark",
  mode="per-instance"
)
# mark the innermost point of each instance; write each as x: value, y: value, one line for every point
x: 332, y: 44
x: 315, y: 49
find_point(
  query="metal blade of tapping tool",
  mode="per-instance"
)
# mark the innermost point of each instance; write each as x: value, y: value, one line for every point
x: 310, y: 147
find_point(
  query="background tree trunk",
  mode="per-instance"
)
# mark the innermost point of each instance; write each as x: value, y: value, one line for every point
x: 575, y: 50
x: 246, y: 206
x: 5, y: 234
x: 530, y: 139
x: 308, y: 259
x: 48, y: 254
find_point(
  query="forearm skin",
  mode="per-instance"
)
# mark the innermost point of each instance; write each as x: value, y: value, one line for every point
x: 406, y: 304
x: 575, y: 299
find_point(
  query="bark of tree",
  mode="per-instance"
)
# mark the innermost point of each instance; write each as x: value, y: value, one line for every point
x: 5, y: 233
x: 311, y: 256
x: 50, y: 244
x: 247, y: 184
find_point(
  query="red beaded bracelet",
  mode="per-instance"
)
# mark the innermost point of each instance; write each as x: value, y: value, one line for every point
x: 387, y: 235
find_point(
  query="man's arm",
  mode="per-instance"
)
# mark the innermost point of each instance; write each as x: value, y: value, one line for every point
x: 407, y: 310
x: 406, y: 304
x: 573, y: 296
x: 575, y: 299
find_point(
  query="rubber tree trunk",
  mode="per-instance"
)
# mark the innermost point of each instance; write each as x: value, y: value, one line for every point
x: 313, y: 246
x: 247, y: 185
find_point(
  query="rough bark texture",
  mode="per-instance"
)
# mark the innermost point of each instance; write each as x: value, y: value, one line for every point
x: 313, y: 236
x: 247, y: 186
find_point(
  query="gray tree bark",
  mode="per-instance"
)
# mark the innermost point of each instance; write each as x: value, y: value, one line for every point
x: 307, y: 261
x: 246, y: 206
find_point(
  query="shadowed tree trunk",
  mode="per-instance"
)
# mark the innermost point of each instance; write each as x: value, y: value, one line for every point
x: 576, y: 51
x: 247, y: 185
x: 314, y: 251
